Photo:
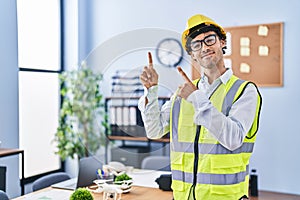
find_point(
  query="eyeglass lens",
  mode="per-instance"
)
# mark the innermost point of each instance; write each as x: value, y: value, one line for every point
x: 208, y: 41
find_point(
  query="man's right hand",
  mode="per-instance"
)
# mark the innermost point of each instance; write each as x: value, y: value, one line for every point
x: 149, y: 77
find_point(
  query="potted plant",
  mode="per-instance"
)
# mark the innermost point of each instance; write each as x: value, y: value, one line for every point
x: 82, y: 120
x: 81, y: 194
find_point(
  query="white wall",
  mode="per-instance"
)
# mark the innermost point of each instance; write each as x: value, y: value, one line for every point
x: 9, y: 124
x: 276, y: 151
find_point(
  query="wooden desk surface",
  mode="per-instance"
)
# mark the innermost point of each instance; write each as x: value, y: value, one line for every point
x: 6, y: 152
x: 143, y: 193
x: 136, y: 193
x: 266, y: 195
x: 139, y: 193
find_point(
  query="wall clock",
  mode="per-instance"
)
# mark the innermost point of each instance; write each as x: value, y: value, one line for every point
x: 169, y: 52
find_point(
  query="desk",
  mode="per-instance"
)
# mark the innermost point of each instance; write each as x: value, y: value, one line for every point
x: 9, y: 152
x: 144, y: 188
x: 136, y: 193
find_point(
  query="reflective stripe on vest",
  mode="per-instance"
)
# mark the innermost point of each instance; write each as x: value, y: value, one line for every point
x: 188, y: 147
x: 215, y: 179
x: 230, y: 96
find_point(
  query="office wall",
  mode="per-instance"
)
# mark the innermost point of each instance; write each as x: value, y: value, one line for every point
x: 276, y: 151
x: 9, y: 92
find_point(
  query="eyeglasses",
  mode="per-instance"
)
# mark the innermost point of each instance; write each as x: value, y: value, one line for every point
x: 208, y: 41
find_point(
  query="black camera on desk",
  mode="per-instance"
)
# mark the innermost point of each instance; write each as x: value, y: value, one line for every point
x: 164, y: 182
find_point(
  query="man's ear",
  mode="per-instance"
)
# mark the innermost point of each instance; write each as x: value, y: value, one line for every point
x: 223, y: 43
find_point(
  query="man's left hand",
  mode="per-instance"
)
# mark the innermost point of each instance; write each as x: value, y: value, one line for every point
x: 187, y: 88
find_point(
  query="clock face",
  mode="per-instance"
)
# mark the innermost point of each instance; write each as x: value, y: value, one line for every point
x: 169, y: 52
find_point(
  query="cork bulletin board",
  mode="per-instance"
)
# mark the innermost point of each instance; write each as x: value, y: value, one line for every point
x: 254, y: 53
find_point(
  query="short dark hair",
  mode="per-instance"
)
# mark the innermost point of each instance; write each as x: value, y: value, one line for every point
x: 203, y: 28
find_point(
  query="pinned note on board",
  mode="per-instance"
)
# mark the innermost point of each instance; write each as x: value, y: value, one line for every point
x: 245, y: 51
x: 263, y: 50
x: 245, y: 41
x: 263, y: 30
x: 245, y: 68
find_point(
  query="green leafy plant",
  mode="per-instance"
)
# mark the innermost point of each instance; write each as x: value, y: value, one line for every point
x: 82, y: 120
x: 122, y: 177
x: 81, y: 194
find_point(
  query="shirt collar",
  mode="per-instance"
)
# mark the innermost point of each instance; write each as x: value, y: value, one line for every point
x: 224, y: 78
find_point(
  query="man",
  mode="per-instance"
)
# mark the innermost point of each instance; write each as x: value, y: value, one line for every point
x: 212, y: 121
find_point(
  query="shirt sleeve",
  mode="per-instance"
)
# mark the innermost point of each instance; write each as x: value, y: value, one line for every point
x: 229, y: 130
x: 156, y: 120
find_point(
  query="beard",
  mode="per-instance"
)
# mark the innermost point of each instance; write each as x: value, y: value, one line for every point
x: 211, y: 60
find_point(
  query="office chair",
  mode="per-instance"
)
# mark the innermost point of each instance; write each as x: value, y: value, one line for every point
x: 157, y: 163
x: 3, y: 195
x: 49, y: 180
x: 88, y: 166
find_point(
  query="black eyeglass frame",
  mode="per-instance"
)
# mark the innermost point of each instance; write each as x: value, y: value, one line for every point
x: 204, y: 40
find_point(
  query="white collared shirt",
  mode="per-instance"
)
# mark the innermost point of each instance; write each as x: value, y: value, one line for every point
x: 229, y: 130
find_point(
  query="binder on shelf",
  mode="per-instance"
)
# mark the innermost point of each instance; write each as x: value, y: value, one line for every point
x: 126, y: 116
x: 119, y: 116
x: 132, y: 112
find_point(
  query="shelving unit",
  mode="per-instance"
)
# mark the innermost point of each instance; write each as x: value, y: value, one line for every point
x: 127, y: 125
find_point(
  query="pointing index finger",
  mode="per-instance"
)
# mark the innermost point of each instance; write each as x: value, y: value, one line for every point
x: 183, y: 74
x: 150, y: 60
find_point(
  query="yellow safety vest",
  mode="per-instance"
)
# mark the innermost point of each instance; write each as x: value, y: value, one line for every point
x: 201, y: 167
